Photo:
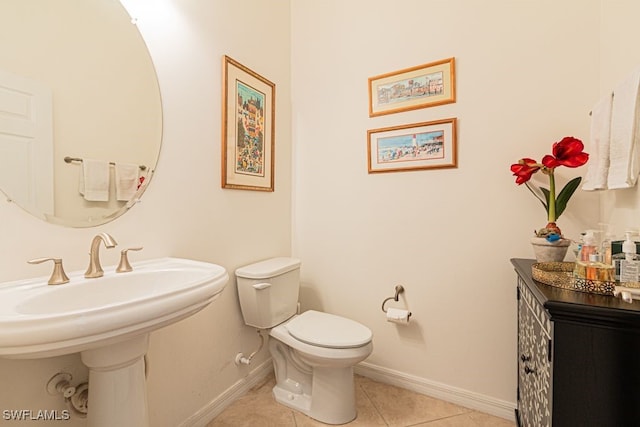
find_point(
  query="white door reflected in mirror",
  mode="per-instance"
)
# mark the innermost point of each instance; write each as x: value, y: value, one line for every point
x: 26, y: 143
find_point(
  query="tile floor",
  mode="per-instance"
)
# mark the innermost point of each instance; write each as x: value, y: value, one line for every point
x: 378, y: 404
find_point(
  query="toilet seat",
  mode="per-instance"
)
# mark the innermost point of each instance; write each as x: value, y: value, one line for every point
x: 328, y: 330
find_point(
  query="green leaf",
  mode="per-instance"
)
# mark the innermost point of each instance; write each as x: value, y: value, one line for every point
x: 539, y: 196
x: 546, y: 196
x: 565, y: 194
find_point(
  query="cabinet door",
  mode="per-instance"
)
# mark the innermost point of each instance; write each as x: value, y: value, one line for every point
x: 534, y: 365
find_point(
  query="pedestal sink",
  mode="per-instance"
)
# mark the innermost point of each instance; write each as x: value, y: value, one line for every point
x: 107, y: 320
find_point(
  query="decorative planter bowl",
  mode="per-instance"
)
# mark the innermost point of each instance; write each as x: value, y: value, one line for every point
x: 546, y: 251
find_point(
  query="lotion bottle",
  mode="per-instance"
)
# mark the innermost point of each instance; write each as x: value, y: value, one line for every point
x: 630, y: 265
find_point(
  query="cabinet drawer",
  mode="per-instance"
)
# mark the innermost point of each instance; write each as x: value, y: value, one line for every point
x: 534, y: 361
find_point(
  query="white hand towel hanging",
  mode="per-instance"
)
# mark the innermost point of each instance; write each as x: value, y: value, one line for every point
x: 624, y: 164
x: 94, y: 180
x: 598, y: 166
x: 127, y: 175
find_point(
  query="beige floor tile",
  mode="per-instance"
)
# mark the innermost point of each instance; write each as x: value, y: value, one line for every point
x: 463, y: 420
x: 470, y: 419
x: 486, y: 420
x: 256, y: 409
x: 400, y: 407
x: 378, y: 405
x: 367, y: 415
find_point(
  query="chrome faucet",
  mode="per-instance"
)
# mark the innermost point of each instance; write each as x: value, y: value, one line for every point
x: 95, y: 269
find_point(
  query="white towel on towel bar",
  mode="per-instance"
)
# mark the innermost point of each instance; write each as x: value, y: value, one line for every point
x: 624, y: 152
x: 94, y: 180
x: 598, y: 166
x: 127, y: 175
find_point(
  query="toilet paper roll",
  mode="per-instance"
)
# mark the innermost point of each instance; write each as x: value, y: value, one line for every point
x: 397, y: 315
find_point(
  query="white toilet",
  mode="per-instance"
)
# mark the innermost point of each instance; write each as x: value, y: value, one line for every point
x: 313, y: 352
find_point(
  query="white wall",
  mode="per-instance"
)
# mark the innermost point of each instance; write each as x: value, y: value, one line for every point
x: 527, y: 75
x: 184, y: 213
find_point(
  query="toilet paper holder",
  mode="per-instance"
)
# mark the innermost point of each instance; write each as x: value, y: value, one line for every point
x: 399, y: 289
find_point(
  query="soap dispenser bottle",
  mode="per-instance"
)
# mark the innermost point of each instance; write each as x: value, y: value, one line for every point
x: 605, y: 247
x: 585, y: 250
x: 589, y: 246
x: 630, y: 265
x: 597, y: 270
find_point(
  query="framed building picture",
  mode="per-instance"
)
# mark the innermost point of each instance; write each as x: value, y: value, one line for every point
x: 248, y: 128
x: 422, y: 86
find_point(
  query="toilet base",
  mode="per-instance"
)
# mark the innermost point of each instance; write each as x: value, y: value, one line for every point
x: 317, y: 381
x: 298, y: 402
x: 327, y: 406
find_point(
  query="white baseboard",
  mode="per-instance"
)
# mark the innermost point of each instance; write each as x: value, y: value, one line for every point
x: 221, y: 402
x: 468, y: 399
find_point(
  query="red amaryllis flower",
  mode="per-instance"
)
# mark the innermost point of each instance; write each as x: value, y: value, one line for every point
x: 568, y: 152
x: 524, y: 169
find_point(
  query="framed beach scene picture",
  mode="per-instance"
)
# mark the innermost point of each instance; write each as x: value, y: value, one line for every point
x: 427, y: 145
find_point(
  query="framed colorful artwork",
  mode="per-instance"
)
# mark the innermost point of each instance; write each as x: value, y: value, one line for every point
x: 428, y: 145
x: 248, y: 128
x: 422, y: 86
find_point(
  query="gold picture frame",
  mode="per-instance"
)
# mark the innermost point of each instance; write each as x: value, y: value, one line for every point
x: 427, y: 145
x: 412, y: 88
x: 248, y: 128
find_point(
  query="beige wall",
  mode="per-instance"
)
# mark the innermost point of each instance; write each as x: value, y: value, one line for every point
x: 184, y: 213
x: 620, y: 208
x: 527, y: 74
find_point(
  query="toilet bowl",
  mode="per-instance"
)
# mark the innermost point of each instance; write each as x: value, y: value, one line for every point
x: 313, y: 352
x: 313, y: 362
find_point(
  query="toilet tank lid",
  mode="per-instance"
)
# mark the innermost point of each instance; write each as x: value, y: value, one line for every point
x: 268, y: 268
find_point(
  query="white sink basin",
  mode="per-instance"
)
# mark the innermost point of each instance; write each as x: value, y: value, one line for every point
x: 39, y: 320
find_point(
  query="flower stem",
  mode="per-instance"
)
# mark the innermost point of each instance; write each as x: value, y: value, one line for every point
x: 552, y: 198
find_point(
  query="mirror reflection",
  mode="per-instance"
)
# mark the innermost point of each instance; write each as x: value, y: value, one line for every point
x: 76, y: 82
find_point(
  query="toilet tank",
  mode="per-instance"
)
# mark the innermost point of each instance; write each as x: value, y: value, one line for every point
x: 268, y: 291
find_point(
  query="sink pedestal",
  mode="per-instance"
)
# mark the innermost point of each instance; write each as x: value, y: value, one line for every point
x: 117, y: 386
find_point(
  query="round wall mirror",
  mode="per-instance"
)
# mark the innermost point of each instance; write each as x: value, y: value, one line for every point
x: 80, y: 110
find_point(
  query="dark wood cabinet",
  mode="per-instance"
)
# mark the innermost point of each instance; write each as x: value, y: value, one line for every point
x: 578, y: 356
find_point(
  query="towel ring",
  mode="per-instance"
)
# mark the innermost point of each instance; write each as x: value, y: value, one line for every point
x: 399, y: 290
